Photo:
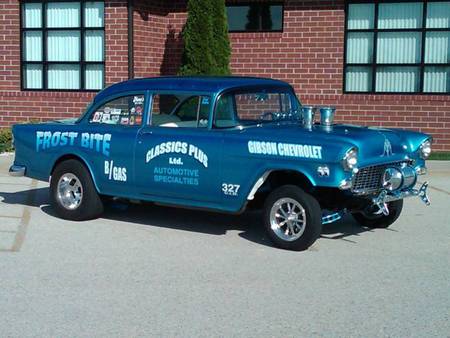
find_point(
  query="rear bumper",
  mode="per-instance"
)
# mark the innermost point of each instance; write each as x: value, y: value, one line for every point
x: 17, y: 170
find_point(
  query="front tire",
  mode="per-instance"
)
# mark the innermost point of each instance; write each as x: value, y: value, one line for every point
x: 292, y: 218
x: 73, y: 195
x: 378, y: 220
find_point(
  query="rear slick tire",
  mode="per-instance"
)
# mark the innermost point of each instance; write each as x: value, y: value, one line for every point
x: 73, y: 195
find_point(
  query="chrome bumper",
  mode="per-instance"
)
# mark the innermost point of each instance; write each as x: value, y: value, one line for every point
x: 383, y: 197
x: 17, y: 170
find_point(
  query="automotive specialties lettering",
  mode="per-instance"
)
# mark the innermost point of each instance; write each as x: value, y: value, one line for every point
x: 94, y: 141
x: 176, y: 175
x: 285, y: 149
x: 178, y: 147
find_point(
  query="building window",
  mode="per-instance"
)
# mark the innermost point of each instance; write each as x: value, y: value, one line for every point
x: 256, y: 17
x: 398, y: 47
x: 63, y: 45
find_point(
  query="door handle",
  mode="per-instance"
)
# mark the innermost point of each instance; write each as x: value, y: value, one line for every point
x: 146, y: 132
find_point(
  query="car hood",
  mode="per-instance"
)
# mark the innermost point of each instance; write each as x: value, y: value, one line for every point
x: 375, y: 145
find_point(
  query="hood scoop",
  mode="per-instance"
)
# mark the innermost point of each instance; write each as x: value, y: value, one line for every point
x: 326, y: 116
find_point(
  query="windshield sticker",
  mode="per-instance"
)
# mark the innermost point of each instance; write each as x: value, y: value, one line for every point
x: 106, y: 118
x: 177, y: 147
x: 138, y: 100
x: 97, y: 116
x: 97, y: 142
x: 285, y: 149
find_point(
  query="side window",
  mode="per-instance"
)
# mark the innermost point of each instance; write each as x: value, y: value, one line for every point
x: 188, y: 111
x: 126, y: 111
x: 225, y: 112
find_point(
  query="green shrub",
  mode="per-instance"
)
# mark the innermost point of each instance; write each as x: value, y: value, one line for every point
x: 205, y: 36
x: 5, y: 140
x: 221, y: 43
x: 443, y: 156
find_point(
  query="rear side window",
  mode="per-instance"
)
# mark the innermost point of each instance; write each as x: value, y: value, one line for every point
x: 125, y: 111
x: 183, y: 111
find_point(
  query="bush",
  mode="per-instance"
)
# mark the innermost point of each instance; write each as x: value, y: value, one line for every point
x: 205, y: 36
x: 5, y: 140
x: 221, y: 43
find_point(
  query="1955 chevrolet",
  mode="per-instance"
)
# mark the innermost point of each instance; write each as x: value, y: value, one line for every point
x: 225, y: 144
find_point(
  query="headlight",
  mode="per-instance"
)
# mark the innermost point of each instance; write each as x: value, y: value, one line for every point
x: 425, y: 149
x: 350, y: 159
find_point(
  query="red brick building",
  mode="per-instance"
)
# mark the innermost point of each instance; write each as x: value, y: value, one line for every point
x: 380, y: 63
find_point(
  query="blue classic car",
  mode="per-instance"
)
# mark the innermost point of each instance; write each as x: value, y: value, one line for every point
x: 225, y: 144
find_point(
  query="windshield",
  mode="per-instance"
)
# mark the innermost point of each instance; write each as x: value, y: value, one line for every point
x: 253, y: 107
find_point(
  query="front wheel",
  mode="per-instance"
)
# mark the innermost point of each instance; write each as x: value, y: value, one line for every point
x: 292, y: 218
x: 376, y: 219
x: 72, y: 192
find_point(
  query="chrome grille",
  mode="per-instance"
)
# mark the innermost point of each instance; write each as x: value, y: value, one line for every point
x: 368, y: 179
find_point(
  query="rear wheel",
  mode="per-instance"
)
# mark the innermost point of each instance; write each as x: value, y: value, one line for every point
x: 374, y: 218
x: 292, y: 218
x: 72, y: 192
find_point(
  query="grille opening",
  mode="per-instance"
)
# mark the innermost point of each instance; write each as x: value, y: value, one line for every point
x: 368, y: 179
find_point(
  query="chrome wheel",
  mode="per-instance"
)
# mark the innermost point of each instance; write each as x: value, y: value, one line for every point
x: 288, y: 219
x: 70, y: 191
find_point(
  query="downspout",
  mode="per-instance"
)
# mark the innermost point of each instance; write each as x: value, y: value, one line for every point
x: 130, y: 39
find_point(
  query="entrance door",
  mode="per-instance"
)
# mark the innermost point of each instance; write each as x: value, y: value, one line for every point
x: 178, y: 157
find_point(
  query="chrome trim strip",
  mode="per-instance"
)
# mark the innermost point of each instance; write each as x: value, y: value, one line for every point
x: 258, y: 185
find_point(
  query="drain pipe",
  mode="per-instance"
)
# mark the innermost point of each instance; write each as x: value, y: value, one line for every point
x: 130, y: 39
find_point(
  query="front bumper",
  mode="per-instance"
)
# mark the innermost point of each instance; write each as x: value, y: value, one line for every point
x: 17, y: 170
x: 384, y: 197
x: 421, y: 193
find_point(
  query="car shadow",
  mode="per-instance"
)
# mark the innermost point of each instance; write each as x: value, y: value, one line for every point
x: 148, y: 214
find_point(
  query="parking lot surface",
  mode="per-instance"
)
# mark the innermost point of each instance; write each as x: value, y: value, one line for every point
x: 148, y: 270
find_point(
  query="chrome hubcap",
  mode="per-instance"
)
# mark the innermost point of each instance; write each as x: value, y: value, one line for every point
x: 288, y: 219
x: 70, y: 191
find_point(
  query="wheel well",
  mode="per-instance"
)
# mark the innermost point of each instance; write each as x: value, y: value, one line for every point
x: 277, y: 179
x: 69, y: 157
x: 283, y: 177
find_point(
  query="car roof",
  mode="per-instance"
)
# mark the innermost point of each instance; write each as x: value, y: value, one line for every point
x: 189, y: 83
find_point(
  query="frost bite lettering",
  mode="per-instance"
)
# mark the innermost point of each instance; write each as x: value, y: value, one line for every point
x: 285, y: 149
x: 94, y: 141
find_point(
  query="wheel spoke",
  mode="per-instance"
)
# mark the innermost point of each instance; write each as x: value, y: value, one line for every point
x: 291, y: 228
x: 285, y: 215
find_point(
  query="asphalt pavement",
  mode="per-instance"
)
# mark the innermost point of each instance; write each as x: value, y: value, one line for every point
x: 147, y: 270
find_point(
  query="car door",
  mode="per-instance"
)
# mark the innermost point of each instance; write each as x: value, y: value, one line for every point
x: 178, y: 156
x: 111, y: 130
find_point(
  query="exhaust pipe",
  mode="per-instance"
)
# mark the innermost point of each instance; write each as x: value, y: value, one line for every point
x: 327, y: 116
x: 308, y: 113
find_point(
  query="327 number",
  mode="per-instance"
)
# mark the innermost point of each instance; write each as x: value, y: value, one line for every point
x: 230, y: 189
